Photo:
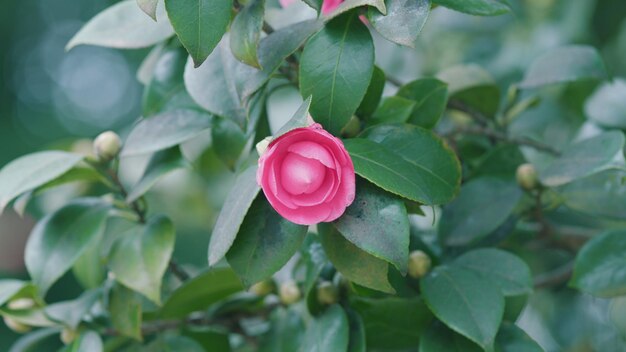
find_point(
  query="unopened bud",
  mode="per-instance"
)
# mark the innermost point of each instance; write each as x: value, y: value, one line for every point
x: 263, y: 288
x: 261, y: 147
x: 107, y: 146
x: 352, y: 128
x: 21, y: 304
x: 419, y: 264
x: 16, y: 325
x: 527, y: 177
x: 68, y: 336
x: 289, y: 293
x: 327, y: 293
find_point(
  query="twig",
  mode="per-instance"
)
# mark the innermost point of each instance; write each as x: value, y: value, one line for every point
x: 473, y: 113
x: 394, y: 81
x: 178, y: 271
x: 555, y: 277
x: 488, y: 132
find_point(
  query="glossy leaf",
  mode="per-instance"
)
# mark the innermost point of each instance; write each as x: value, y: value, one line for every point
x: 87, y: 341
x: 125, y: 308
x: 511, y: 338
x: 348, y: 5
x: 377, y: 222
x: 174, y: 343
x: 393, y: 158
x: 461, y: 224
x: 60, y: 238
x: 35, y: 341
x: 353, y: 263
x: 393, y: 110
x: 265, y: 242
x: 472, y: 86
x: 600, y: 267
x: 477, y: 7
x: 71, y: 313
x: 587, y: 157
x: 335, y: 68
x: 232, y: 215
x: 565, y: 64
x: 228, y: 141
x: 199, y: 24
x: 201, y: 292
x: 607, y: 106
x: 506, y: 270
x: 9, y: 288
x: 31, y: 171
x: 165, y: 130
x: 466, y: 302
x: 286, y: 332
x: 123, y: 26
x: 439, y: 338
x: 245, y: 32
x: 139, y: 259
x: 299, y: 119
x: 393, y: 322
x: 149, y: 7
x: 374, y: 93
x: 403, y: 22
x: 357, y: 341
x: 430, y: 96
x: 585, y: 196
x: 328, y: 332
x: 160, y: 164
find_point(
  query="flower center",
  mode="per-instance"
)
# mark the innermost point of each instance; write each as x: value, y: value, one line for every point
x: 301, y: 175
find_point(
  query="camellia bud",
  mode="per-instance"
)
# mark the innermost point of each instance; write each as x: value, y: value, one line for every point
x: 527, y: 177
x: 68, y: 336
x: 21, y: 304
x: 419, y: 264
x: 16, y: 325
x: 107, y: 146
x: 352, y: 128
x: 327, y: 293
x: 289, y: 293
x: 261, y: 147
x: 263, y: 288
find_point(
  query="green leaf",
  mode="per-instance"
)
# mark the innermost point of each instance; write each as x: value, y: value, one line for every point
x: 377, y: 223
x: 10, y: 288
x: 328, y: 332
x: 466, y: 302
x: 430, y: 96
x: 353, y: 263
x: 403, y: 22
x: 174, y: 343
x: 513, y: 339
x: 160, y: 164
x: 506, y: 270
x: 501, y: 161
x: 245, y: 32
x: 374, y: 93
x: 34, y: 317
x: 60, y: 238
x: 38, y: 340
x: 123, y: 26
x: 357, y: 342
x: 393, y: 323
x: 299, y: 119
x: 211, y: 88
x: 199, y: 24
x: 461, y: 224
x: 286, y: 331
x: 165, y: 130
x: 229, y: 141
x: 87, y: 341
x: 473, y: 86
x: 71, y: 313
x: 600, y: 267
x: 149, y: 7
x: 264, y: 244
x: 89, y: 269
x: 139, y: 259
x: 393, y: 158
x: 348, y: 5
x: 439, y: 338
x: 211, y: 339
x: 565, y: 64
x: 125, y: 309
x: 232, y: 215
x: 477, y: 7
x: 393, y: 110
x: 607, y: 106
x: 31, y: 171
x: 336, y: 68
x: 584, y: 158
x: 586, y: 196
x: 314, y: 4
x: 201, y: 292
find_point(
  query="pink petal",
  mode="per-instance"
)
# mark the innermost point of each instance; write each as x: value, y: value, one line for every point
x: 301, y: 175
x: 313, y: 150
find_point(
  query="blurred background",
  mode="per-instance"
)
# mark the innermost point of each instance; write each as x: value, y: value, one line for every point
x: 50, y: 98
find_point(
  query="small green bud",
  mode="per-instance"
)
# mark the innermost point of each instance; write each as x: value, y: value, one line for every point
x: 327, y: 293
x: 527, y: 177
x: 16, y: 325
x: 352, y: 128
x: 263, y: 288
x: 289, y: 293
x: 107, y: 146
x: 419, y: 264
x: 68, y: 336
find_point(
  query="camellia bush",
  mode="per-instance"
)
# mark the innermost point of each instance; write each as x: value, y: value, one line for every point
x: 376, y: 214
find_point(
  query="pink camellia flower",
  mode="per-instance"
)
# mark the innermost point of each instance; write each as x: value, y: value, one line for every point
x: 328, y: 6
x: 307, y: 176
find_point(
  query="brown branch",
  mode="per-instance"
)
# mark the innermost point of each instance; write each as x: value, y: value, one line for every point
x: 555, y: 277
x: 476, y: 115
x: 178, y: 271
x: 488, y: 132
